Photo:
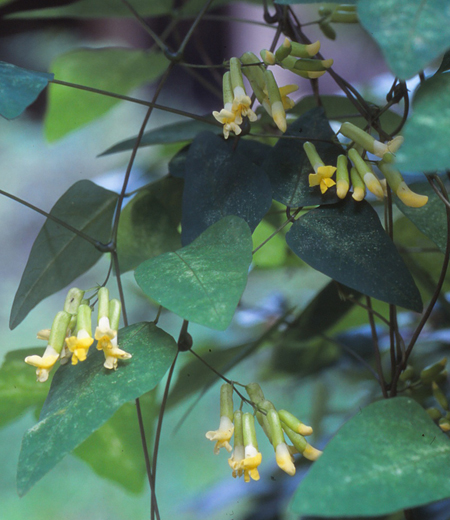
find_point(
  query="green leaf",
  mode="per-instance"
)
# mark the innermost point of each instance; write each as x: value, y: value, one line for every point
x: 431, y: 219
x: 391, y: 456
x: 114, y: 451
x: 19, y: 88
x: 339, y: 108
x: 85, y: 396
x: 445, y: 65
x: 204, y: 281
x: 58, y: 256
x: 174, y: 133
x: 347, y: 243
x: 222, y: 180
x: 18, y: 388
x: 273, y: 253
x: 121, y: 71
x: 149, y: 223
x: 430, y: 118
x: 295, y: 2
x: 288, y: 167
x: 411, y: 34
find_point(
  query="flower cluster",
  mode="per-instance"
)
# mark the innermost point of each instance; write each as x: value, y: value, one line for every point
x: 71, y: 335
x: 246, y: 456
x: 362, y: 175
x: 237, y: 104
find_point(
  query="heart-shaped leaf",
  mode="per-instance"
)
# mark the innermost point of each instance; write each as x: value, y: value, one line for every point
x: 288, y: 167
x: 58, y: 255
x: 430, y: 118
x: 19, y: 88
x: 221, y: 181
x: 347, y: 243
x: 391, y: 456
x: 203, y: 281
x: 85, y: 396
x: 411, y: 34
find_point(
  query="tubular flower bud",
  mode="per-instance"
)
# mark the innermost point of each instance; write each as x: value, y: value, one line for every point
x: 227, y: 116
x: 444, y: 424
x: 252, y: 456
x: 306, y: 64
x: 238, y: 455
x: 366, y: 173
x: 79, y: 344
x: 225, y: 431
x: 43, y: 334
x: 398, y: 185
x: 359, y: 188
x: 295, y: 424
x: 283, y: 50
x: 73, y: 300
x: 268, y: 57
x: 304, y: 51
x: 282, y: 454
x: 342, y: 177
x: 368, y: 142
x: 241, y: 102
x: 438, y: 394
x: 429, y: 373
x: 254, y: 72
x: 55, y: 344
x: 276, y: 104
x: 303, y: 447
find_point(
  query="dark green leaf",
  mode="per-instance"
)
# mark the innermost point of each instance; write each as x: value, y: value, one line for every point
x: 177, y: 165
x: 174, y: 133
x: 222, y: 181
x: 121, y: 71
x: 294, y: 2
x: 18, y: 388
x: 431, y: 219
x: 114, y: 451
x: 19, y: 88
x: 148, y: 224
x: 347, y: 243
x: 411, y: 34
x: 430, y: 119
x: 326, y: 309
x: 288, y: 166
x: 85, y: 396
x: 58, y: 256
x: 391, y: 456
x: 204, y: 281
x: 339, y: 108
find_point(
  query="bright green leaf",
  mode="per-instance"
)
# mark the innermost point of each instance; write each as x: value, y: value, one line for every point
x: 339, y: 108
x: 288, y: 167
x: 148, y: 224
x: 58, y: 256
x: 204, y: 281
x: 391, y: 456
x: 347, y: 243
x: 85, y: 396
x: 431, y: 219
x: 411, y: 34
x: 174, y: 133
x: 430, y: 118
x: 18, y: 388
x: 121, y: 71
x: 19, y: 88
x: 114, y: 451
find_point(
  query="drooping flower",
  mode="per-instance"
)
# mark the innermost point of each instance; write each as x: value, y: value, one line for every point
x: 225, y: 431
x: 323, y: 174
x: 228, y: 119
x: 79, y: 344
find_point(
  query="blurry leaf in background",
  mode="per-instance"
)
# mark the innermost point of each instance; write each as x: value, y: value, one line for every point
x: 390, y: 455
x: 222, y: 181
x: 58, y: 256
x: 114, y: 451
x: 173, y: 133
x: 83, y: 397
x: 295, y: 2
x: 19, y: 88
x: 148, y: 223
x: 427, y: 132
x: 431, y: 219
x: 340, y: 108
x: 18, y: 388
x: 347, y: 243
x: 411, y: 34
x: 204, y: 281
x: 121, y: 70
x: 177, y: 165
x: 288, y: 166
x: 445, y: 65
x: 273, y: 253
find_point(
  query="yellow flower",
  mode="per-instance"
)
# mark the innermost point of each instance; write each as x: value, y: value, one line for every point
x: 107, y: 341
x: 250, y: 463
x: 241, y: 105
x: 229, y: 121
x: 284, y: 459
x: 79, y: 345
x: 43, y: 364
x: 222, y: 435
x: 284, y: 91
x: 235, y: 461
x: 323, y: 178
